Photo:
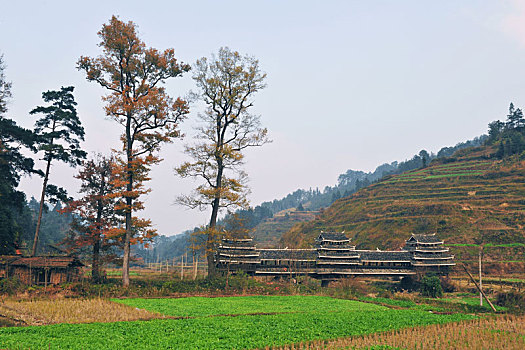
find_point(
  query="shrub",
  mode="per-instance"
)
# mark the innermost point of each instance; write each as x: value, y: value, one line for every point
x: 408, y: 283
x: 447, y: 284
x: 430, y: 286
x: 514, y: 301
x: 11, y: 286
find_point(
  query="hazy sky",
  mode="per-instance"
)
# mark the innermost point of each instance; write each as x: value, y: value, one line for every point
x: 351, y: 84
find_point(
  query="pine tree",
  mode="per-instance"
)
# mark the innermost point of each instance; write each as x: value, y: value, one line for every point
x: 59, y: 133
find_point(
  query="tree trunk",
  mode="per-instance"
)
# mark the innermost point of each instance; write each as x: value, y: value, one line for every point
x: 95, y: 265
x: 129, y: 202
x: 210, y: 242
x: 42, y: 200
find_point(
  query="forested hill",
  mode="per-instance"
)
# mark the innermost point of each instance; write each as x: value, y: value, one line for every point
x: 475, y: 197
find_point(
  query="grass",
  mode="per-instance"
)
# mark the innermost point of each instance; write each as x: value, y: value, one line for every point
x: 42, y: 312
x: 474, y: 302
x: 507, y: 332
x: 307, y: 319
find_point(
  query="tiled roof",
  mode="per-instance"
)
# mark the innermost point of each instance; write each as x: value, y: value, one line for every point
x: 8, y: 259
x: 421, y: 238
x: 333, y: 236
x: 370, y: 255
x: 285, y: 254
x: 433, y: 262
x: 433, y: 256
x: 47, y: 261
x: 338, y: 253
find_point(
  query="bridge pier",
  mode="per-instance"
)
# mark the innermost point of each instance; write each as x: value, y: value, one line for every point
x: 324, y: 283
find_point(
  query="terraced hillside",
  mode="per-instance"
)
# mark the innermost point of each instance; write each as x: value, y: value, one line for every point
x: 269, y: 232
x: 472, y: 198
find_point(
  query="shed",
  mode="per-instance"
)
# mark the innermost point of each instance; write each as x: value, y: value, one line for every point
x: 42, y: 269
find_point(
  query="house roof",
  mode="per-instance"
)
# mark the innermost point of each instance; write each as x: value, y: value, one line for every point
x: 333, y: 236
x: 8, y: 259
x: 422, y: 238
x: 287, y: 254
x: 237, y: 239
x: 371, y: 255
x: 47, y: 261
x: 337, y: 253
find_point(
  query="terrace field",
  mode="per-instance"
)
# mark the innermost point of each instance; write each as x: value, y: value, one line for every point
x: 225, y: 323
x: 471, y: 199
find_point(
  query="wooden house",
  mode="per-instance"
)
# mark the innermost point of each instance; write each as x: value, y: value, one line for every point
x: 42, y: 270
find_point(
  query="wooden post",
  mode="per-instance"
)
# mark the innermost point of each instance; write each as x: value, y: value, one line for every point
x: 480, y: 282
x: 195, y: 264
x: 182, y: 267
x: 186, y: 257
x: 475, y: 283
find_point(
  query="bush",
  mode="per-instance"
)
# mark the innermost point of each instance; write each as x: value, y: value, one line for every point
x: 11, y: 286
x: 514, y: 301
x: 408, y: 283
x: 447, y: 284
x: 430, y: 286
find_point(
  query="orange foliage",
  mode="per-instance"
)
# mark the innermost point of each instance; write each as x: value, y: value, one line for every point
x: 132, y: 74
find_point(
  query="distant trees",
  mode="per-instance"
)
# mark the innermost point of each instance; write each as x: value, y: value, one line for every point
x: 423, y: 154
x: 514, y: 118
x: 509, y: 136
x: 59, y: 133
x: 227, y: 83
x: 132, y: 74
x: 13, y: 165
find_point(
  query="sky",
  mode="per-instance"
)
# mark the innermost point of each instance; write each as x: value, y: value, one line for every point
x: 351, y: 84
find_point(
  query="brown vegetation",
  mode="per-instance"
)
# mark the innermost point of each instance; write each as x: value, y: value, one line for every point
x: 41, y: 312
x: 507, y: 332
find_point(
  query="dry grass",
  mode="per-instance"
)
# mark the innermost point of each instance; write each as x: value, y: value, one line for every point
x: 40, y: 312
x: 507, y: 332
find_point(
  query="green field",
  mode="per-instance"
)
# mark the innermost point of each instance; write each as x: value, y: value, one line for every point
x: 225, y: 323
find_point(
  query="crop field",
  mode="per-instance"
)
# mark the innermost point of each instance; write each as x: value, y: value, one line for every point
x: 44, y: 312
x: 225, y: 323
x: 506, y: 332
x: 443, y: 171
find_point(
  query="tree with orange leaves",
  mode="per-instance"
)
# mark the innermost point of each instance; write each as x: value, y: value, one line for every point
x: 95, y: 216
x: 133, y: 75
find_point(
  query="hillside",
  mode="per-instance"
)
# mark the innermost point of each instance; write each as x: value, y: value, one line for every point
x: 469, y: 199
x: 268, y: 233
